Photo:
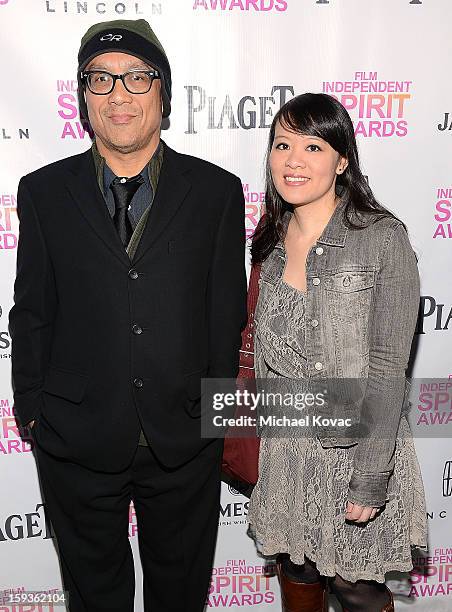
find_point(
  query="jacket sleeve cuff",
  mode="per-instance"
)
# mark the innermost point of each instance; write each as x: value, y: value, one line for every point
x: 368, y: 489
x: 28, y: 407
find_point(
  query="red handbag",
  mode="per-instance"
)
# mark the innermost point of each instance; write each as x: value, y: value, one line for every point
x: 241, y: 454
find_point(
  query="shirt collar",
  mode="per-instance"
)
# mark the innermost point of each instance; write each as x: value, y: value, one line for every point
x: 150, y: 172
x: 109, y: 176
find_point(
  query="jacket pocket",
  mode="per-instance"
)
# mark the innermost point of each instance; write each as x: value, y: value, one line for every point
x: 193, y: 392
x: 186, y: 245
x: 193, y: 383
x: 66, y: 384
x: 349, y: 282
x: 348, y: 304
x: 349, y: 294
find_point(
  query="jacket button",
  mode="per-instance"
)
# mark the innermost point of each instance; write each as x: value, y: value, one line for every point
x: 347, y: 281
x: 314, y: 322
x: 318, y: 365
x: 319, y: 251
x: 316, y: 281
x: 137, y: 329
x: 133, y: 274
x: 138, y: 382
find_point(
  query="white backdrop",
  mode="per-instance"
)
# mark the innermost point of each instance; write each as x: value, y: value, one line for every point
x: 234, y: 62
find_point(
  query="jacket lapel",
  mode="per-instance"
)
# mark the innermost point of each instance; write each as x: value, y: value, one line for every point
x: 84, y: 189
x: 172, y: 189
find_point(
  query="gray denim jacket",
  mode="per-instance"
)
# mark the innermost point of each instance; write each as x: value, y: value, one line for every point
x: 361, y: 307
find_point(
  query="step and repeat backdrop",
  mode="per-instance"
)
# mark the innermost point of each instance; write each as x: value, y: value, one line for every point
x: 234, y: 63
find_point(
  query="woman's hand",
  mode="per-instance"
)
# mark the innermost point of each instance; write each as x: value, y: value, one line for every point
x: 359, y: 514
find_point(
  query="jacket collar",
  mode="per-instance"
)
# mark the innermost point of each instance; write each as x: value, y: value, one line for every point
x: 171, y: 191
x: 334, y: 234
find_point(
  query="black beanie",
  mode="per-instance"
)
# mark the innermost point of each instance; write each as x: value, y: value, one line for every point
x: 127, y: 36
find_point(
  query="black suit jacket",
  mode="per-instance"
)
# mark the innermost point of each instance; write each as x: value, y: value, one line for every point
x: 101, y: 343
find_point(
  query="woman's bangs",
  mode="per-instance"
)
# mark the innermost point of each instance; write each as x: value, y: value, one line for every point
x: 303, y: 123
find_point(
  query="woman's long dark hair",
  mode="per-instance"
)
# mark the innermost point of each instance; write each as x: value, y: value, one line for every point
x: 322, y: 116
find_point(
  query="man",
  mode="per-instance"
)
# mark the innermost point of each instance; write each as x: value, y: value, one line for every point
x: 130, y: 288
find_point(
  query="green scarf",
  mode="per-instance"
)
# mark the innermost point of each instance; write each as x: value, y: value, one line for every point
x: 154, y: 167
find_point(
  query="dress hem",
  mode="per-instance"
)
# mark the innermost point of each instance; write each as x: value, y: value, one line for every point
x: 345, y: 574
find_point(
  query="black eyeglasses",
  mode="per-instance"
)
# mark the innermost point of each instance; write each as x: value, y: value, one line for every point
x: 102, y: 83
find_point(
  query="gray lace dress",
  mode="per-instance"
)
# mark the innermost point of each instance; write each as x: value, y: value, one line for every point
x: 298, y: 504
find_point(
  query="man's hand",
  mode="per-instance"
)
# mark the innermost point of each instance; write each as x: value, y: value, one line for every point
x: 359, y: 514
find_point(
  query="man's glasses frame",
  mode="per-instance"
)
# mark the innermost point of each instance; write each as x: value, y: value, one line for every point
x: 153, y: 74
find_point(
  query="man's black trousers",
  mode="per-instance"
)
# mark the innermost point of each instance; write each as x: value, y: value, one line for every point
x: 177, y: 515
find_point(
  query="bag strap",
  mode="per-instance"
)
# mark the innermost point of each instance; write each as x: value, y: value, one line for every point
x: 246, y: 361
x: 247, y: 348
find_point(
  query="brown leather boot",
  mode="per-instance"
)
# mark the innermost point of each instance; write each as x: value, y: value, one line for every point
x: 301, y: 597
x: 389, y: 607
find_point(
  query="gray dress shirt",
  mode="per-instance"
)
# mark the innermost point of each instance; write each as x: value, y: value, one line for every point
x: 140, y: 201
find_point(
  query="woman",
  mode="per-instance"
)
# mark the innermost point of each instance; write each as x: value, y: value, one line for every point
x: 339, y: 294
